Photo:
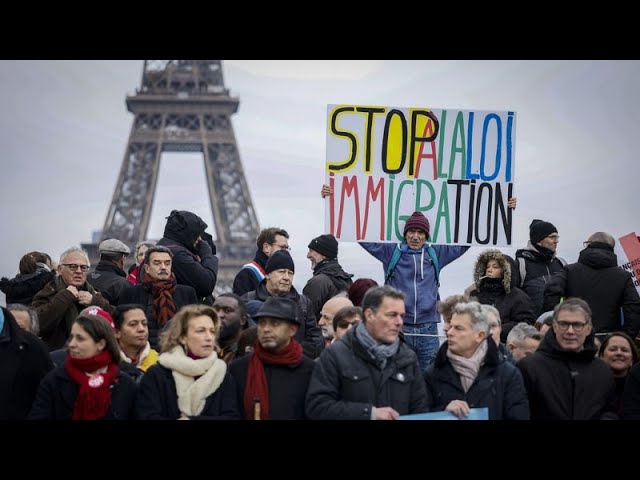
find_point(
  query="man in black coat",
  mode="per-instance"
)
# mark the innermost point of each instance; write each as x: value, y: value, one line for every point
x: 537, y: 262
x: 270, y: 241
x: 369, y: 374
x: 109, y: 277
x: 159, y: 294
x: 329, y: 278
x: 279, y: 283
x: 24, y: 361
x: 194, y: 254
x: 470, y: 371
x: 597, y: 279
x: 564, y: 379
x: 277, y: 361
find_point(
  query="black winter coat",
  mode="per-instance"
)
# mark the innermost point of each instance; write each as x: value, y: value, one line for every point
x: 564, y: 385
x: 631, y: 395
x: 328, y: 280
x: 109, y: 280
x: 195, y: 267
x: 58, y: 392
x: 498, y: 386
x: 24, y: 361
x: 597, y: 279
x: 514, y: 307
x: 138, y: 295
x: 23, y: 288
x: 309, y: 333
x: 346, y: 383
x: 540, y: 267
x: 287, y: 386
x: 158, y: 398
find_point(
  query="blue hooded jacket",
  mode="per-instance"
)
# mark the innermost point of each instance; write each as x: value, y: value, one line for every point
x: 414, y: 275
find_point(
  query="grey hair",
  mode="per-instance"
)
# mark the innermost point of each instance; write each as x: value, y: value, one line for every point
x: 34, y: 325
x: 479, y: 317
x: 144, y: 243
x: 493, y: 311
x: 603, y: 237
x: 573, y: 304
x: 71, y: 250
x: 521, y: 332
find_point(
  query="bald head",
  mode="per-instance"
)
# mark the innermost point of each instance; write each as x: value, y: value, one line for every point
x: 329, y: 309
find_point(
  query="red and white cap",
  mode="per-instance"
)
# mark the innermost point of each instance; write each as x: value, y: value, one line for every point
x: 93, y: 310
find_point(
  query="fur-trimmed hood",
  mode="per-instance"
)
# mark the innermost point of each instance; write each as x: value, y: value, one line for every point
x: 481, y: 267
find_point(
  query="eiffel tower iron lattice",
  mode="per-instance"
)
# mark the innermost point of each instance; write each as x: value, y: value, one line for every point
x: 183, y: 106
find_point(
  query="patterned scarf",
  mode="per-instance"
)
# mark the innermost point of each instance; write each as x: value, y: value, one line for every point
x: 94, y: 397
x: 164, y: 308
x: 257, y: 390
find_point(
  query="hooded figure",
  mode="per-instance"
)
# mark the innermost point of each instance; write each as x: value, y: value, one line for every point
x: 492, y: 278
x: 194, y: 260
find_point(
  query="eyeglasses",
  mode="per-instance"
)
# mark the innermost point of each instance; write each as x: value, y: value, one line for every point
x: 577, y: 326
x: 282, y: 247
x: 74, y: 266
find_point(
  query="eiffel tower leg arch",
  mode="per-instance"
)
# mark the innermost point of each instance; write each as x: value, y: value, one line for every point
x: 183, y: 106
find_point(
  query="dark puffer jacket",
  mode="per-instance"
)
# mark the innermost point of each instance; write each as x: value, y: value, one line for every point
x: 24, y: 361
x: 328, y: 280
x: 540, y: 265
x: 597, y: 279
x: 512, y: 303
x: 22, y: 288
x: 347, y: 383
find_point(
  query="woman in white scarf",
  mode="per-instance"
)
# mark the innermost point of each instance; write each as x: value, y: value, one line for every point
x: 189, y: 381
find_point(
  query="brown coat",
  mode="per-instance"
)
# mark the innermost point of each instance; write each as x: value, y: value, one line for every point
x: 57, y: 308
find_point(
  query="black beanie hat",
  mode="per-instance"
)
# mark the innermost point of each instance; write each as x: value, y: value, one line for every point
x: 280, y: 259
x: 539, y: 230
x: 326, y: 245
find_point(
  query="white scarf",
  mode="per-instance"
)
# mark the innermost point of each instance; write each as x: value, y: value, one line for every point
x: 468, y: 368
x: 192, y: 394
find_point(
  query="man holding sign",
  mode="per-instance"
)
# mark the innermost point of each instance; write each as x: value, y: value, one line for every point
x: 414, y: 175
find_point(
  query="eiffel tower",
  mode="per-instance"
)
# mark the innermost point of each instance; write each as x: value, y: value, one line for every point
x: 183, y: 106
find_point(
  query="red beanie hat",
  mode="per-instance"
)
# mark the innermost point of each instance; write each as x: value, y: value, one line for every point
x: 417, y: 220
x: 97, y: 311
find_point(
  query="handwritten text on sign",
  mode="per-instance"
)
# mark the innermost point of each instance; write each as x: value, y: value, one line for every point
x: 455, y: 166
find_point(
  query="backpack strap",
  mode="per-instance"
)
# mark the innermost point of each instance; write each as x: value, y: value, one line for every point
x: 436, y: 263
x: 396, y: 257
x: 562, y: 261
x: 522, y: 266
x: 392, y: 264
x: 257, y: 270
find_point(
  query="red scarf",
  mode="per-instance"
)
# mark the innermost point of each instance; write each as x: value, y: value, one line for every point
x: 164, y: 308
x: 94, y: 398
x: 256, y: 389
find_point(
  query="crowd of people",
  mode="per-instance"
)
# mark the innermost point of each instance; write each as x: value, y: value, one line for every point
x: 531, y: 338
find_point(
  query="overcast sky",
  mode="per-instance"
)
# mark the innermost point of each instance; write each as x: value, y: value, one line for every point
x: 64, y: 128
